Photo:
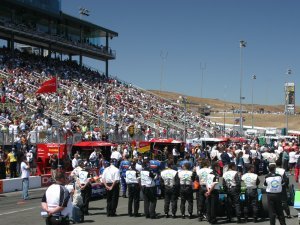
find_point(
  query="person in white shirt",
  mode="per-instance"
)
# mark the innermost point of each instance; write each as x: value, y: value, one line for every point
x: 75, y: 161
x: 292, y: 160
x: 55, y: 201
x: 25, y: 173
x: 94, y: 158
x: 116, y: 155
x: 246, y: 158
x: 214, y: 153
x: 251, y: 182
x: 133, y: 184
x: 111, y: 179
x: 175, y: 154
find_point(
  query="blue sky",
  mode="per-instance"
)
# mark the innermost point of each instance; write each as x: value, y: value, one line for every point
x: 202, y: 31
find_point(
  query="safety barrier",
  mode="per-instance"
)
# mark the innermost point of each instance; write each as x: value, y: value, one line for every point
x: 15, y: 184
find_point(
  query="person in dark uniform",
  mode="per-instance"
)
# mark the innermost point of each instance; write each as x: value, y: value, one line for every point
x: 55, y: 202
x: 274, y: 183
x: 111, y: 179
x: 284, y: 196
x: 251, y: 181
x: 170, y: 182
x: 202, y: 176
x: 232, y: 186
x: 149, y: 190
x: 133, y: 184
x: 186, y: 178
x: 155, y: 167
x: 86, y: 191
x: 212, y: 185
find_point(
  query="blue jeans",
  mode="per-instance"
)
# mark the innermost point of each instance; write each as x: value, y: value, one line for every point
x: 25, y: 188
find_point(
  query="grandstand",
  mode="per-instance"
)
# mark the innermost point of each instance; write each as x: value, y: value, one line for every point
x: 88, y: 102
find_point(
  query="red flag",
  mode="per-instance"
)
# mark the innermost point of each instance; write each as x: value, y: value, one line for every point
x: 48, y: 86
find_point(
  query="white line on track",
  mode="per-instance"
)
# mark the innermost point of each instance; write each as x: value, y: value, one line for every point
x: 22, y: 210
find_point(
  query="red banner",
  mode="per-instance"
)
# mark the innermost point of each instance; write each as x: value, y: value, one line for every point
x: 48, y: 86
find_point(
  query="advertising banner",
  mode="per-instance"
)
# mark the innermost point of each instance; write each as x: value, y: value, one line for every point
x: 289, y: 98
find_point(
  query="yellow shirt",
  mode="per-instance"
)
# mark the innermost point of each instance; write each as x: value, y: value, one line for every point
x: 11, y: 157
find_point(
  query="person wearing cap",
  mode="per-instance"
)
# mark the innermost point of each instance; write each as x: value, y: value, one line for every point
x: 132, y: 177
x: 170, y: 181
x: 212, y: 193
x: 155, y: 167
x: 232, y: 185
x: 284, y: 194
x: 202, y: 176
x: 86, y: 188
x: 111, y: 179
x: 274, y: 183
x: 186, y: 179
x: 251, y: 182
x: 55, y: 202
x: 148, y: 189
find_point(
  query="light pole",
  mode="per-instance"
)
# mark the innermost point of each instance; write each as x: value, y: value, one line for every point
x: 289, y: 72
x: 242, y: 45
x: 253, y: 78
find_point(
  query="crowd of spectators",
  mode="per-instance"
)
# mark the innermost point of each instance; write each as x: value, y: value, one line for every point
x: 85, y: 99
x: 84, y: 95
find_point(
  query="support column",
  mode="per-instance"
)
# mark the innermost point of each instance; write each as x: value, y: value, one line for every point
x: 107, y: 50
x: 11, y: 43
x: 106, y: 68
x: 49, y: 51
x: 80, y: 59
x: 8, y: 43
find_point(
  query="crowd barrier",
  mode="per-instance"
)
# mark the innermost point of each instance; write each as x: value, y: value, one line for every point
x: 15, y: 184
x: 45, y: 180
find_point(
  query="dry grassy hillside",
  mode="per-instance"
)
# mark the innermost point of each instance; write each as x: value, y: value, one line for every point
x: 261, y: 120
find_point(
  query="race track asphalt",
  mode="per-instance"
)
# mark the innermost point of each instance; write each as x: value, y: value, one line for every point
x: 13, y: 211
